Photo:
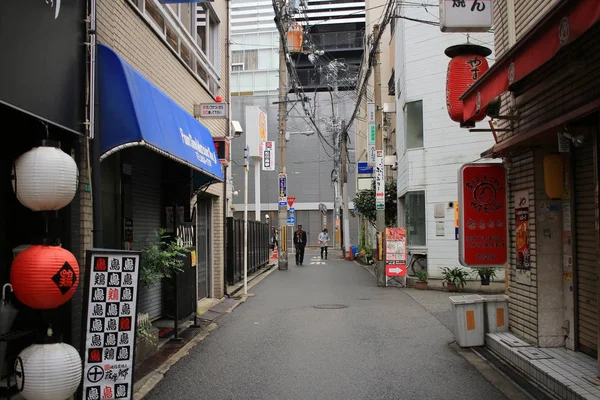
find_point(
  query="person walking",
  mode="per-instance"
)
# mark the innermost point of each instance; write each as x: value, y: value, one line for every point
x: 300, y: 244
x: 323, y: 242
x: 274, y: 239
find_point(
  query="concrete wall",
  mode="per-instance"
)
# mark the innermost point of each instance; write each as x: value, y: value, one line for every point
x: 421, y: 67
x: 121, y: 26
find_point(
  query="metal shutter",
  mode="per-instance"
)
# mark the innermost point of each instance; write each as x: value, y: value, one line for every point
x: 203, y: 256
x: 146, y: 201
x: 315, y: 225
x: 586, y: 262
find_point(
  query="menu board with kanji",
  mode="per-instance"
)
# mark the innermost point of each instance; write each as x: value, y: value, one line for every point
x: 111, y: 287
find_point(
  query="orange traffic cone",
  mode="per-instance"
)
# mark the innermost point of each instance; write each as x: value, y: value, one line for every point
x: 275, y: 255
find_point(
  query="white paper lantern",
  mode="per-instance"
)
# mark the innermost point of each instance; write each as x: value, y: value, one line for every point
x: 45, y: 179
x: 48, y: 371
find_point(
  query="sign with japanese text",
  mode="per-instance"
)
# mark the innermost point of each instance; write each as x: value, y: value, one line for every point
x: 291, y: 200
x: 111, y: 290
x: 395, y: 252
x: 282, y: 190
x: 379, y: 182
x: 210, y: 110
x: 482, y: 210
x: 371, y: 135
x: 364, y: 168
x: 268, y: 160
x: 465, y: 15
x: 522, y: 229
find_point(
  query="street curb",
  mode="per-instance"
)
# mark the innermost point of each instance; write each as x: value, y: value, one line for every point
x: 151, y: 380
x: 266, y: 271
x: 492, y: 374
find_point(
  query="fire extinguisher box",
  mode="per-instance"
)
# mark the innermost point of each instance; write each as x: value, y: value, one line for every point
x: 496, y: 313
x: 468, y: 320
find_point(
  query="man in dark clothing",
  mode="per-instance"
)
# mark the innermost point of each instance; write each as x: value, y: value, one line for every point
x: 300, y: 244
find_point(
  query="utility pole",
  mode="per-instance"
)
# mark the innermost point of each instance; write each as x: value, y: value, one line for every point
x: 381, y: 281
x: 281, y: 142
x: 344, y: 175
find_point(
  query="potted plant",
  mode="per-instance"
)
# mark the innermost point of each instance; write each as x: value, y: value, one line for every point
x: 161, y: 258
x: 421, y: 283
x: 486, y: 274
x: 147, y: 338
x: 454, y: 278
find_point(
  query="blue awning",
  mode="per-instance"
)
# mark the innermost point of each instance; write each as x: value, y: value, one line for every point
x: 134, y: 112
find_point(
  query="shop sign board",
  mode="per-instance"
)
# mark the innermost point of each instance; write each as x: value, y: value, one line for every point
x: 465, y: 15
x: 282, y: 190
x: 379, y: 182
x: 371, y: 135
x: 482, y: 209
x: 395, y: 252
x: 111, y: 291
x: 268, y: 160
x: 522, y: 230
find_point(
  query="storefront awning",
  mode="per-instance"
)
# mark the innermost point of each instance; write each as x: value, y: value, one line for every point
x: 561, y: 26
x: 134, y: 112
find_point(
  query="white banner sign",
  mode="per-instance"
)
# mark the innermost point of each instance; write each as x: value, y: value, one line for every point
x: 110, y: 324
x: 371, y: 135
x: 379, y: 182
x: 268, y: 160
x: 211, y: 110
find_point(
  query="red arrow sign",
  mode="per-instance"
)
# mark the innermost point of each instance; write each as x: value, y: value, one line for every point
x: 395, y: 270
x: 291, y: 201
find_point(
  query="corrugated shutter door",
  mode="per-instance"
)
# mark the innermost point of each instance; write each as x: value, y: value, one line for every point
x: 146, y: 172
x: 315, y: 225
x: 587, y: 264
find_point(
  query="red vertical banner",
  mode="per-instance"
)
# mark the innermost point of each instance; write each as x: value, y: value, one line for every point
x: 482, y: 215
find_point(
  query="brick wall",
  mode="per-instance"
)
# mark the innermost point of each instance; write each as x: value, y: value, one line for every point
x: 121, y: 27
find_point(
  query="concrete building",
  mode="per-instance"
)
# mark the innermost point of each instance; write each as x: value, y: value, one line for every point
x: 255, y: 81
x: 180, y: 49
x: 430, y: 146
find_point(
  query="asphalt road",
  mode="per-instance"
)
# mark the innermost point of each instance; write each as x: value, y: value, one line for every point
x: 276, y: 345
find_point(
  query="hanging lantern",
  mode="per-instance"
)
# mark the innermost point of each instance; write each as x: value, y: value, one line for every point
x: 45, y: 178
x: 554, y: 182
x: 466, y: 67
x: 294, y: 38
x: 48, y: 371
x: 44, y: 277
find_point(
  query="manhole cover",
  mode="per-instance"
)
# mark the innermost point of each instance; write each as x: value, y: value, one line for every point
x: 330, y: 306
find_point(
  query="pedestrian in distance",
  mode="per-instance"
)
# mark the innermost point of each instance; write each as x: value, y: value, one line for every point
x: 274, y: 239
x: 323, y: 242
x: 300, y: 244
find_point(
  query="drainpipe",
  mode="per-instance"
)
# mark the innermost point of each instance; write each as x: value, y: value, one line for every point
x: 95, y: 145
x: 229, y: 135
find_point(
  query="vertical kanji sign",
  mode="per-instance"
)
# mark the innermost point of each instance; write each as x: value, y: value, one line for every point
x: 109, y: 326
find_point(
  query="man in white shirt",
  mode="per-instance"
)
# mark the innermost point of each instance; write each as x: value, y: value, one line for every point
x: 323, y: 242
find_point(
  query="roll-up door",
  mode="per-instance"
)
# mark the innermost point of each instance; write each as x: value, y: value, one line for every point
x: 587, y: 264
x: 146, y: 203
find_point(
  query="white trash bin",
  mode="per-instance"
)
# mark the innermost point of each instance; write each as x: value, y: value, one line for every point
x: 468, y: 320
x: 496, y: 313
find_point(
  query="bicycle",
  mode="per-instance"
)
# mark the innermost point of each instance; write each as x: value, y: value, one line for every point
x: 417, y: 258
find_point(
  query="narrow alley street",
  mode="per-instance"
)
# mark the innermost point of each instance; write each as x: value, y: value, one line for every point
x: 291, y: 341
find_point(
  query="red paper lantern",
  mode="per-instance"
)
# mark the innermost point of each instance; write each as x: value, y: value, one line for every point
x: 44, y: 277
x: 466, y: 67
x: 219, y: 99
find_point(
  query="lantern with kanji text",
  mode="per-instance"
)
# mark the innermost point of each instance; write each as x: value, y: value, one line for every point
x: 468, y: 63
x: 44, y: 276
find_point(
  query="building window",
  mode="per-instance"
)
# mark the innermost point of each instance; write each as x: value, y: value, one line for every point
x: 244, y: 60
x: 415, y: 218
x: 192, y: 32
x: 414, y: 124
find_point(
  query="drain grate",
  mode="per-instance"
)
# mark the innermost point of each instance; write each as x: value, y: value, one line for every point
x: 330, y: 306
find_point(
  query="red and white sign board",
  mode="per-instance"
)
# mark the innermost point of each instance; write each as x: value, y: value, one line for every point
x: 482, y: 215
x: 395, y: 252
x: 290, y: 201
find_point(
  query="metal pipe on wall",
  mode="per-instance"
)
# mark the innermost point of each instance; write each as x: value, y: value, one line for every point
x: 95, y: 145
